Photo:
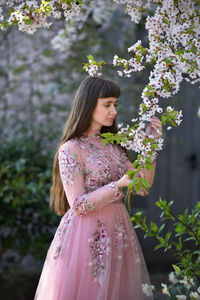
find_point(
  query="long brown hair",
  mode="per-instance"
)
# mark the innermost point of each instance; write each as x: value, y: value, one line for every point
x: 79, y: 122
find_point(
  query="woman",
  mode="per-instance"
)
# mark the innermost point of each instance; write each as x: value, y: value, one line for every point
x: 95, y: 254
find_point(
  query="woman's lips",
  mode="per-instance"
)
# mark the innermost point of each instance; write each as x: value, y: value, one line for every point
x: 111, y: 119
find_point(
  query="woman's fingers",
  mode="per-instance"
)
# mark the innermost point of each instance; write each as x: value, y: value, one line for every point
x: 157, y: 126
x: 156, y: 121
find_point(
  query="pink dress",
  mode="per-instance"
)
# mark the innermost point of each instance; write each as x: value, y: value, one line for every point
x: 95, y: 254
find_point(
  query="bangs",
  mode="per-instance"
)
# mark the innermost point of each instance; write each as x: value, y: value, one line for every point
x: 109, y: 89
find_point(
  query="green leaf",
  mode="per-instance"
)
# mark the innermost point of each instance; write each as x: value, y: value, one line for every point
x: 130, y: 172
x: 123, y: 139
x: 176, y: 269
x: 90, y: 57
x: 137, y: 188
x: 161, y: 203
x: 135, y: 164
x: 167, y: 236
x: 149, y: 87
x: 136, y: 181
x: 165, y: 20
x: 101, y: 62
x: 158, y: 246
x: 145, y: 182
x: 130, y: 186
x: 154, y: 227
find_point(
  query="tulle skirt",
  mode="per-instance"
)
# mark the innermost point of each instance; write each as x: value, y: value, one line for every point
x: 94, y: 257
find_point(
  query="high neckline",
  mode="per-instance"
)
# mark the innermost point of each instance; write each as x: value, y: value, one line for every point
x: 93, y: 135
x: 92, y: 132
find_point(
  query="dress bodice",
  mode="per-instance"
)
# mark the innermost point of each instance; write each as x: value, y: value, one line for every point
x: 101, y: 163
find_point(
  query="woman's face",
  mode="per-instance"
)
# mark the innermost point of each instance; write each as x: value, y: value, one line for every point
x: 104, y: 112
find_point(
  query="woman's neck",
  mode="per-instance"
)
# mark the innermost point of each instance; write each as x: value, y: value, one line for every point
x: 93, y: 130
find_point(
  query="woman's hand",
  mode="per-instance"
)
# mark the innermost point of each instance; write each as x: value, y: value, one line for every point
x: 124, y: 181
x: 155, y: 128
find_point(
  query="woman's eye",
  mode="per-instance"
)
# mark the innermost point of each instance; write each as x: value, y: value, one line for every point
x: 107, y: 105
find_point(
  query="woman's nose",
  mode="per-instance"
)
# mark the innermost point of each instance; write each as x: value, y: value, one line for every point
x: 113, y: 110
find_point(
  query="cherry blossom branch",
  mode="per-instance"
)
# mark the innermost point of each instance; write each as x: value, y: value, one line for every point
x: 29, y: 15
x: 174, y: 52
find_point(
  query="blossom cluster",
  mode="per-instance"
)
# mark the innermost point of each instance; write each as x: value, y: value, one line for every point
x: 174, y: 46
x: 93, y: 67
x: 186, y: 282
x: 29, y: 15
x: 133, y: 64
x: 141, y: 140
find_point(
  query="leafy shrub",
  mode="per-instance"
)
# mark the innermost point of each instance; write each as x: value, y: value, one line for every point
x: 183, y: 241
x: 27, y: 225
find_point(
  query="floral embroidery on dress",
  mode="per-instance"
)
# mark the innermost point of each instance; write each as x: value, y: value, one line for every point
x: 113, y: 187
x: 120, y: 237
x: 69, y: 166
x: 90, y: 182
x: 79, y: 142
x: 99, y: 245
x: 121, y: 170
x: 102, y: 175
x: 65, y: 224
x: 97, y: 167
x: 82, y: 206
x: 98, y: 162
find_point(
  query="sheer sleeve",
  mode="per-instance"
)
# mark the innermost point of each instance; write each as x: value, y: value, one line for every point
x: 72, y: 176
x: 141, y: 173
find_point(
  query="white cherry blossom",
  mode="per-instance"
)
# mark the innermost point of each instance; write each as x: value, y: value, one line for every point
x: 148, y: 289
x: 165, y: 289
x: 172, y: 277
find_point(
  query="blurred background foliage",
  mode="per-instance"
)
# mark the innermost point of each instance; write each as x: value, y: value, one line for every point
x: 25, y: 179
x: 39, y: 75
